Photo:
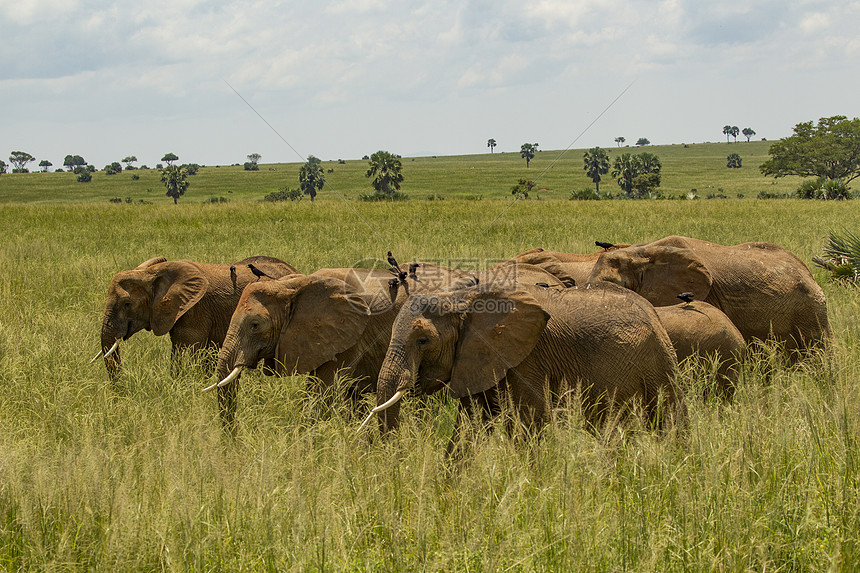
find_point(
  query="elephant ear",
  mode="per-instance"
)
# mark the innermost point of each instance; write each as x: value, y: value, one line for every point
x: 498, y: 332
x: 326, y: 318
x: 177, y: 286
x: 671, y: 271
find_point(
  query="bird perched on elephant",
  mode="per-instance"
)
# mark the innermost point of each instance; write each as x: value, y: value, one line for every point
x: 764, y: 289
x: 333, y: 322
x: 191, y: 301
x: 697, y: 328
x: 489, y: 346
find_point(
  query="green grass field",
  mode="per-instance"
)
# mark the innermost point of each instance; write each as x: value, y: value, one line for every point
x: 136, y: 476
x: 700, y: 166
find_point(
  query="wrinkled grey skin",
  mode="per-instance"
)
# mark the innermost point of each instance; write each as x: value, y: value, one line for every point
x: 193, y: 302
x: 336, y: 322
x: 572, y: 268
x: 524, y: 346
x: 766, y: 291
x: 701, y: 329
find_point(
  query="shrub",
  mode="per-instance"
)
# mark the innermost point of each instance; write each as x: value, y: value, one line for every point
x: 116, y: 200
x: 250, y: 166
x: 841, y: 257
x: 84, y: 174
x: 135, y: 177
x: 474, y: 197
x: 435, y: 197
x: 733, y: 161
x: 585, y: 194
x: 284, y: 195
x: 218, y: 200
x: 378, y: 196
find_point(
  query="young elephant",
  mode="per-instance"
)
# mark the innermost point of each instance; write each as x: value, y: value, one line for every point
x: 193, y: 302
x: 334, y: 321
x: 765, y: 290
x: 572, y: 268
x: 529, y: 345
x: 700, y: 329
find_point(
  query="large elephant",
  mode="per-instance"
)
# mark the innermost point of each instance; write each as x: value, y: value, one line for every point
x: 700, y: 329
x: 336, y: 321
x: 764, y: 289
x: 487, y: 346
x: 193, y: 302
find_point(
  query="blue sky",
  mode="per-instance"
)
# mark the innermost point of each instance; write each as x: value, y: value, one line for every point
x: 341, y: 79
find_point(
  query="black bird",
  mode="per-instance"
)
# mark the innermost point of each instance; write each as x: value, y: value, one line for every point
x: 232, y: 269
x: 604, y: 246
x: 257, y: 272
x: 686, y: 297
x: 544, y: 285
x: 401, y: 276
x: 412, y: 267
x: 392, y: 261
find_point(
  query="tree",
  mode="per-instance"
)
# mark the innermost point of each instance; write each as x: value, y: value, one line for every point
x: 384, y: 172
x: 491, y: 143
x: 73, y: 161
x: 84, y: 173
x: 647, y: 163
x: 640, y: 173
x: 619, y: 140
x: 3, y: 167
x: 169, y: 158
x: 129, y: 161
x: 113, y: 168
x: 830, y: 150
x: 527, y: 151
x: 748, y: 133
x: 596, y: 164
x: 175, y: 179
x: 642, y: 141
x: 733, y: 161
x: 522, y: 188
x: 734, y: 131
x: 19, y: 160
x: 311, y: 178
x: 727, y: 131
x: 251, y: 164
x: 624, y: 170
x: 44, y: 164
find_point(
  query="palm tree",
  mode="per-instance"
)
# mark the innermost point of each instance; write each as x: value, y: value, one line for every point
x: 311, y: 178
x: 596, y: 164
x: 735, y: 131
x: 527, y: 151
x: 385, y: 172
x: 727, y: 131
x: 491, y: 143
x: 647, y: 163
x: 624, y: 170
x: 175, y: 178
x: 619, y: 140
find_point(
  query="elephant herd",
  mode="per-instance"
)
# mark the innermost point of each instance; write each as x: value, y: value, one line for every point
x: 608, y: 325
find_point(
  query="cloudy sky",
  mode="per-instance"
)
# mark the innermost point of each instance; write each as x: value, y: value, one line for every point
x: 340, y: 79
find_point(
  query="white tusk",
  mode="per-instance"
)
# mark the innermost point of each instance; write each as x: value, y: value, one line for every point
x: 392, y: 401
x: 96, y: 357
x: 230, y: 377
x: 112, y: 348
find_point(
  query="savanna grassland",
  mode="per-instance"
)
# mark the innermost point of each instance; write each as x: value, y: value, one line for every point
x: 137, y: 475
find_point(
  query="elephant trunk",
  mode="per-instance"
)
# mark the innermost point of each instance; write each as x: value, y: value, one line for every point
x: 110, y: 338
x: 395, y: 378
x: 230, y: 363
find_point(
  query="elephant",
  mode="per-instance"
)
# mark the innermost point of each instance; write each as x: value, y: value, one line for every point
x: 572, y: 268
x: 333, y: 322
x: 487, y: 345
x: 764, y: 289
x: 191, y: 301
x: 697, y: 328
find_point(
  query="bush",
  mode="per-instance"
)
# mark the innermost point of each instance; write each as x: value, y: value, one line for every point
x: 435, y: 197
x: 284, y: 195
x: 827, y: 189
x: 377, y: 196
x: 769, y: 195
x: 190, y: 168
x: 251, y: 166
x: 84, y: 174
x: 841, y: 256
x: 733, y: 161
x: 116, y: 200
x: 135, y: 177
x: 585, y: 194
x: 218, y: 200
x: 474, y: 197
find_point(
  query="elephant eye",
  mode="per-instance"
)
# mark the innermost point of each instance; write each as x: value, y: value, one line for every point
x: 423, y: 341
x: 127, y: 304
x: 255, y: 325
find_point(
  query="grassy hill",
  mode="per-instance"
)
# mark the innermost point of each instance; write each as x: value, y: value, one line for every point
x: 700, y: 167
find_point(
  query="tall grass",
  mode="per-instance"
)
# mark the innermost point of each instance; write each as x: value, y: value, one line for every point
x: 138, y: 476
